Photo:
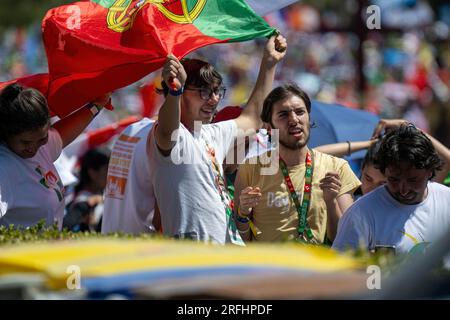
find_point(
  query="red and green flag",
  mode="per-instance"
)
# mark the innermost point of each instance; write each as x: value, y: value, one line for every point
x: 37, y: 81
x: 98, y: 46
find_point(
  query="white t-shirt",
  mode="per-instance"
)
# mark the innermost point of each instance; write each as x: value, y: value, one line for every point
x: 31, y: 189
x: 378, y: 219
x: 259, y: 144
x: 129, y: 197
x: 185, y: 186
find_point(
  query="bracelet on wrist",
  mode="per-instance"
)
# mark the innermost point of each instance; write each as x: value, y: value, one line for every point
x: 176, y: 92
x: 241, y: 219
x: 94, y: 108
x: 244, y: 231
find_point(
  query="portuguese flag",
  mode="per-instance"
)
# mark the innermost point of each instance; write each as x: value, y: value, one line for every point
x: 37, y: 81
x: 97, y: 46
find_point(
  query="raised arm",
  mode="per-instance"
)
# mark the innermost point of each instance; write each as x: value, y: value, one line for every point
x: 169, y: 115
x: 73, y: 125
x: 345, y: 148
x: 274, y: 51
x: 442, y: 151
x: 444, y: 154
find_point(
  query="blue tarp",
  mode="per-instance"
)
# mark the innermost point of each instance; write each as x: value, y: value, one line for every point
x: 335, y: 123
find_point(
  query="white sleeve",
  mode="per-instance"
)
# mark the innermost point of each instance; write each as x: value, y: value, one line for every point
x: 175, y: 153
x: 5, y: 194
x: 224, y: 134
x: 54, y: 144
x: 353, y: 231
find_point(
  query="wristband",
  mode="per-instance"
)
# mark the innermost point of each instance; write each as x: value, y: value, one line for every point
x: 242, y: 219
x: 95, y: 109
x: 251, y: 225
x: 244, y: 231
x: 176, y: 92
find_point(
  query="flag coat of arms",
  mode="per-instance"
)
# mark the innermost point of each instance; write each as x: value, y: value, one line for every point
x: 97, y: 46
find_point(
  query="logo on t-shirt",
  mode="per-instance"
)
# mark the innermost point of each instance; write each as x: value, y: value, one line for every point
x: 119, y: 166
x: 419, y: 246
x: 115, y: 187
x: 51, y: 181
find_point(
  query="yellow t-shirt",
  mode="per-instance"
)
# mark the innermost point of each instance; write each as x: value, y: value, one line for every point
x: 276, y: 215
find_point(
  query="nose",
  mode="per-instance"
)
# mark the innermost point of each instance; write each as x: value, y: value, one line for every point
x: 293, y: 118
x: 403, y: 188
x: 34, y: 149
x: 31, y: 150
x: 213, y: 98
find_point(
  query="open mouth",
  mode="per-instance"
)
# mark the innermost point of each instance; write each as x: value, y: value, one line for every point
x: 296, y: 132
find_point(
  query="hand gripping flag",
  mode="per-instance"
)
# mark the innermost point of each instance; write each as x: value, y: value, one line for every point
x: 97, y: 46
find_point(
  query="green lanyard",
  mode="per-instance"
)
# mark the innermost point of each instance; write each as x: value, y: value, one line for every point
x: 302, y: 210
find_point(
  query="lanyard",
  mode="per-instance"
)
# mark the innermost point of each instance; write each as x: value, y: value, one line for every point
x: 220, y: 182
x: 302, y: 210
x: 225, y: 197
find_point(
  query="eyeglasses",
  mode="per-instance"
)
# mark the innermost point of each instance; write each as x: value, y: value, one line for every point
x: 206, y: 93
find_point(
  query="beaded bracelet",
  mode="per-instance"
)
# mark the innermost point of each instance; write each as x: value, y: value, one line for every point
x: 244, y: 231
x: 176, y: 92
x: 242, y: 219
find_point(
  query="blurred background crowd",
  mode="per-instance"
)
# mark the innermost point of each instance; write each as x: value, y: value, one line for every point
x: 398, y: 71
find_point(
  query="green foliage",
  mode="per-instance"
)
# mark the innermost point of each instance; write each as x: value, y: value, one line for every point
x: 40, y: 232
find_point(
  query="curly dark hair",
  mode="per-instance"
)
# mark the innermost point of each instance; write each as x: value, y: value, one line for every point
x: 369, y: 158
x: 409, y: 144
x: 199, y: 73
x: 280, y: 93
x: 21, y: 109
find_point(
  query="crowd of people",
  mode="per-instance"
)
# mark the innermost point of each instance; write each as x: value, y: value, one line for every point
x: 166, y: 175
x: 406, y: 73
x: 241, y: 174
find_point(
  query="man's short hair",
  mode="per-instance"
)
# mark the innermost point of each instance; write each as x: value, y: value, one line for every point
x: 200, y: 74
x: 407, y: 144
x: 280, y: 93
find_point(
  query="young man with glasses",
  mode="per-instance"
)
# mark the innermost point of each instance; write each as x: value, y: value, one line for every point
x: 186, y: 151
x: 182, y: 166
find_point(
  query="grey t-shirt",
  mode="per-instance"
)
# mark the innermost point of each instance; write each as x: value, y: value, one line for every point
x: 185, y: 183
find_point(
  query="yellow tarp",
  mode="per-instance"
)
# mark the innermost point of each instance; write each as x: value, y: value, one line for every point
x: 111, y: 258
